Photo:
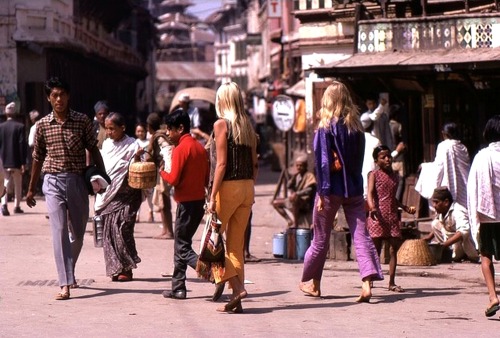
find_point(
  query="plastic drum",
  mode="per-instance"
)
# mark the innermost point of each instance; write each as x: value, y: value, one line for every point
x: 302, y: 242
x: 279, y: 245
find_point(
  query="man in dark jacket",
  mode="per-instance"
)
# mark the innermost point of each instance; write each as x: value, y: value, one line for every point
x: 13, y: 153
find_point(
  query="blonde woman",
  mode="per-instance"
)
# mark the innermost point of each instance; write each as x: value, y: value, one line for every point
x: 339, y: 146
x: 233, y: 158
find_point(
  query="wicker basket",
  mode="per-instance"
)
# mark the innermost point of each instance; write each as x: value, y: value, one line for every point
x: 142, y: 175
x: 415, y: 252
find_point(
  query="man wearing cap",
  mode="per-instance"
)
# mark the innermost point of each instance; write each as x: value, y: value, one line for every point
x: 451, y: 226
x: 302, y: 187
x: 380, y: 117
x: 13, y: 151
x: 194, y: 114
x: 101, y: 110
x: 194, y: 117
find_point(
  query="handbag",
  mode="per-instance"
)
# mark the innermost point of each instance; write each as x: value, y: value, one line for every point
x: 212, y: 252
x: 212, y: 246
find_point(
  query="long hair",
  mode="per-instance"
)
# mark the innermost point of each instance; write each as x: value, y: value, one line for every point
x: 336, y: 103
x: 492, y: 129
x: 230, y: 106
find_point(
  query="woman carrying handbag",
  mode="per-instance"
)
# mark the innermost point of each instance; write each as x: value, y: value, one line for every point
x: 234, y: 166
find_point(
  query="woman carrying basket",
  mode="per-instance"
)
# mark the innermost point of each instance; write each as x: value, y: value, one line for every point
x: 119, y: 204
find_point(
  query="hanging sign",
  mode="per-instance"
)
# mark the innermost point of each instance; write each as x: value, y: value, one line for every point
x: 283, y: 112
x: 274, y: 9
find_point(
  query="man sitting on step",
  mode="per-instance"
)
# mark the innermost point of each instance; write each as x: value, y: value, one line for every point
x: 302, y: 187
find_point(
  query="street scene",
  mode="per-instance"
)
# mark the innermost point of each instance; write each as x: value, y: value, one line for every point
x: 223, y: 168
x: 440, y: 299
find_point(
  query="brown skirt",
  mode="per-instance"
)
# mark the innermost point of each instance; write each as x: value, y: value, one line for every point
x: 119, y: 216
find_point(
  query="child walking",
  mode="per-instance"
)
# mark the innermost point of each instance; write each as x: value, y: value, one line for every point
x: 143, y: 142
x: 383, y: 222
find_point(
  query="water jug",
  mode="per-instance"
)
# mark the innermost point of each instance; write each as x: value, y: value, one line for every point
x: 98, y: 229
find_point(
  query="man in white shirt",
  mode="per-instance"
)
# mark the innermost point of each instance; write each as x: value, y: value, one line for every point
x: 379, y: 114
x: 451, y: 226
x: 371, y: 142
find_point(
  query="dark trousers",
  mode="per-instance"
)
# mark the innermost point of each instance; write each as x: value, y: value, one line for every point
x: 188, y: 218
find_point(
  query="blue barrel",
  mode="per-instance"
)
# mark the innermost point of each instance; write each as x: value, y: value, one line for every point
x: 302, y: 242
x: 279, y: 245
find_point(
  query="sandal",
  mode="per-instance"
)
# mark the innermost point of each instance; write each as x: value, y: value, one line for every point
x: 395, y: 288
x: 63, y: 295
x: 238, y: 308
x: 125, y: 276
x: 234, y: 304
x: 492, y: 310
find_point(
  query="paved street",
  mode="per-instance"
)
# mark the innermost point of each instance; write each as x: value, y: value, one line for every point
x: 447, y: 299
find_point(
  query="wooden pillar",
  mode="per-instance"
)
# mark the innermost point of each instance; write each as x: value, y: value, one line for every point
x: 424, y: 7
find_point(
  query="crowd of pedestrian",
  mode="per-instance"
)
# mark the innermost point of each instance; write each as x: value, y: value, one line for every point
x: 358, y: 165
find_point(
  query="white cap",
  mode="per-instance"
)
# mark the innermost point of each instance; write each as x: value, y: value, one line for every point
x: 10, y: 109
x: 184, y: 98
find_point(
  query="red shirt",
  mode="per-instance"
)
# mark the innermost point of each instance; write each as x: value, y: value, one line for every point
x: 189, y: 174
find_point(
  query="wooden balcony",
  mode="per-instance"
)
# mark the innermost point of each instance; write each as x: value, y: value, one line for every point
x: 48, y: 28
x: 448, y: 32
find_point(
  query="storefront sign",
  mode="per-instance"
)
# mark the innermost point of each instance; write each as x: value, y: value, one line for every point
x: 274, y: 9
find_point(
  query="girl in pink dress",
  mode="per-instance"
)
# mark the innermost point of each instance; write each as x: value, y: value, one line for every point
x: 384, y: 222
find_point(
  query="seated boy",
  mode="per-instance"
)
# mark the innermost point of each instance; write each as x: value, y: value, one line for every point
x: 451, y: 226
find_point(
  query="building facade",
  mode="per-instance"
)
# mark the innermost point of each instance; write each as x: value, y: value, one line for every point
x: 103, y: 52
x: 184, y: 57
x: 438, y: 61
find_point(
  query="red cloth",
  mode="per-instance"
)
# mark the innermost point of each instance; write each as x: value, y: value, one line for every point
x: 189, y: 174
x: 388, y: 224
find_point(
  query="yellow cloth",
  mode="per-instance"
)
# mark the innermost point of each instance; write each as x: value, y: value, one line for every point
x: 299, y: 126
x: 234, y: 202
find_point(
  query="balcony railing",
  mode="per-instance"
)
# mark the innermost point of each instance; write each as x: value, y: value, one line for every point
x: 466, y: 31
x: 46, y: 27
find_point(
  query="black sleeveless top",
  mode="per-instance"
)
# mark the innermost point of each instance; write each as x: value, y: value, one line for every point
x: 239, y: 164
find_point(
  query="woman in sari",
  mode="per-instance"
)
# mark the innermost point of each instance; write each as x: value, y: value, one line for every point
x: 119, y: 204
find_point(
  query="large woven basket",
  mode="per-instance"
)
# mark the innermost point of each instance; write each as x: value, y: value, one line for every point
x: 142, y: 175
x: 415, y: 252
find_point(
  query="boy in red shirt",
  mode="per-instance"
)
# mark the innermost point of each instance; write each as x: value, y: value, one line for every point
x: 189, y: 177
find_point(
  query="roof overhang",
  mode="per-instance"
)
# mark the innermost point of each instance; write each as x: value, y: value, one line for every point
x: 429, y: 61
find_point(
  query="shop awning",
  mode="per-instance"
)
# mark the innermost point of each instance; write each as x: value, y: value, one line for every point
x: 298, y: 89
x: 433, y: 61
